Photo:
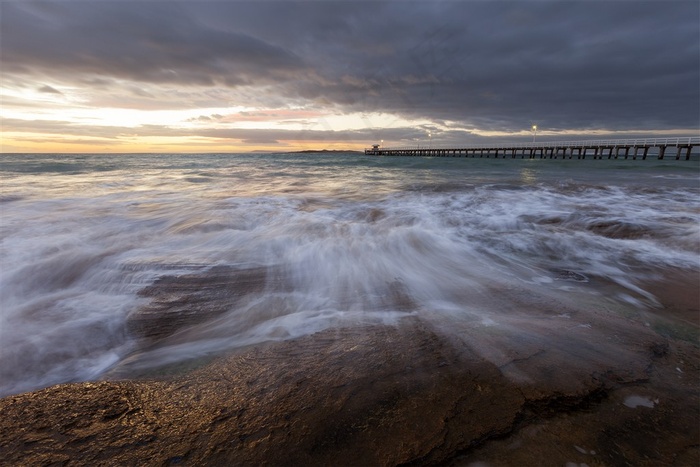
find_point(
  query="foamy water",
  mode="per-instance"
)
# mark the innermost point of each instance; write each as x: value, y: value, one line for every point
x: 342, y: 239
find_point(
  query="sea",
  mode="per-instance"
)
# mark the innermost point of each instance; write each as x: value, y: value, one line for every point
x: 336, y: 239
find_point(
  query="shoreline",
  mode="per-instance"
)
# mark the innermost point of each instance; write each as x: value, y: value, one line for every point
x: 285, y: 309
x: 383, y: 395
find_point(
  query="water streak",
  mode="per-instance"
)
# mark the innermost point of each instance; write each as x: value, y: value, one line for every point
x: 301, y: 243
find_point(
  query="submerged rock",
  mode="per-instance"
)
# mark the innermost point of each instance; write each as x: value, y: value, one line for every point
x: 176, y: 302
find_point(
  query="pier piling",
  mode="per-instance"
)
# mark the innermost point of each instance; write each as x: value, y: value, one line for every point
x: 551, y: 150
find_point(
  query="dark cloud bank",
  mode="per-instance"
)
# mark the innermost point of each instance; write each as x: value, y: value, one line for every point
x: 565, y: 65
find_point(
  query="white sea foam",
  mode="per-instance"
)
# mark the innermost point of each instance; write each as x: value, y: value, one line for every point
x: 340, y: 247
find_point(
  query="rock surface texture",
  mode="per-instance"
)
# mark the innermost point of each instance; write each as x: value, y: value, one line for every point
x: 404, y: 395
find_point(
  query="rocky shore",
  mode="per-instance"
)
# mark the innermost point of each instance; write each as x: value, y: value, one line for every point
x: 374, y: 396
x: 550, y: 386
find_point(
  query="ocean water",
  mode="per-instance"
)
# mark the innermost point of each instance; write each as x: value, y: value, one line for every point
x: 286, y: 245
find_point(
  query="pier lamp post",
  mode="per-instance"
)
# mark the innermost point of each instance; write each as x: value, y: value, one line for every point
x: 534, y: 133
x: 430, y: 140
x: 382, y: 145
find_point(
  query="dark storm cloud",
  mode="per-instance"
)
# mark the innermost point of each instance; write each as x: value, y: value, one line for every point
x: 565, y: 65
x: 623, y: 65
x: 155, y: 42
x: 501, y: 65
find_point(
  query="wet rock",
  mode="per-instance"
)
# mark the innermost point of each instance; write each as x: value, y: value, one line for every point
x: 360, y: 396
x: 177, y: 302
x: 619, y: 229
x: 399, y: 297
x: 566, y: 275
x: 364, y: 396
x: 610, y: 431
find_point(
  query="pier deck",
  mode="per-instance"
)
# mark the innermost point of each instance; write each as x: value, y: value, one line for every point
x: 657, y: 148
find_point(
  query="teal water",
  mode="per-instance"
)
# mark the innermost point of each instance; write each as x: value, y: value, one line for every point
x: 81, y: 235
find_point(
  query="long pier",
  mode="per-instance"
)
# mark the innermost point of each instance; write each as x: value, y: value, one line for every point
x: 657, y: 148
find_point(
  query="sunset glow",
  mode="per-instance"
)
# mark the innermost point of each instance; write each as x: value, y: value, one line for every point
x: 217, y: 76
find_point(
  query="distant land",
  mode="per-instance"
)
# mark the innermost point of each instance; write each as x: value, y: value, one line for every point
x: 307, y: 151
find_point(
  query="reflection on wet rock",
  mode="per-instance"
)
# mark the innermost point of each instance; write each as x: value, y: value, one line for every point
x: 370, y: 396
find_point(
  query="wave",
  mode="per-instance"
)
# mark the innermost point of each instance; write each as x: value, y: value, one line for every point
x: 155, y: 269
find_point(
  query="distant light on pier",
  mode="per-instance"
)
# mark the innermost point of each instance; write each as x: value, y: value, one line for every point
x: 599, y: 149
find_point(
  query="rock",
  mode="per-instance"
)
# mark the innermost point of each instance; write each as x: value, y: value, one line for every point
x: 365, y: 396
x: 176, y: 302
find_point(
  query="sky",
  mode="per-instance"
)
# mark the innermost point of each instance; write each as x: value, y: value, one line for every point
x: 241, y: 76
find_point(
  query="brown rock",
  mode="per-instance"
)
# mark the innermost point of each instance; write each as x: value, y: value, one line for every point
x: 360, y: 396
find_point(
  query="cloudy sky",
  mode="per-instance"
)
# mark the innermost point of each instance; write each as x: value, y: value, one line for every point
x: 204, y: 76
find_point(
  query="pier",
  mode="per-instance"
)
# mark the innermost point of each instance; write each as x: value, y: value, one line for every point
x: 656, y: 148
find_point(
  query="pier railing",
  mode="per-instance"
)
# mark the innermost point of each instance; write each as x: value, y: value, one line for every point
x: 553, y: 149
x: 653, y: 142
